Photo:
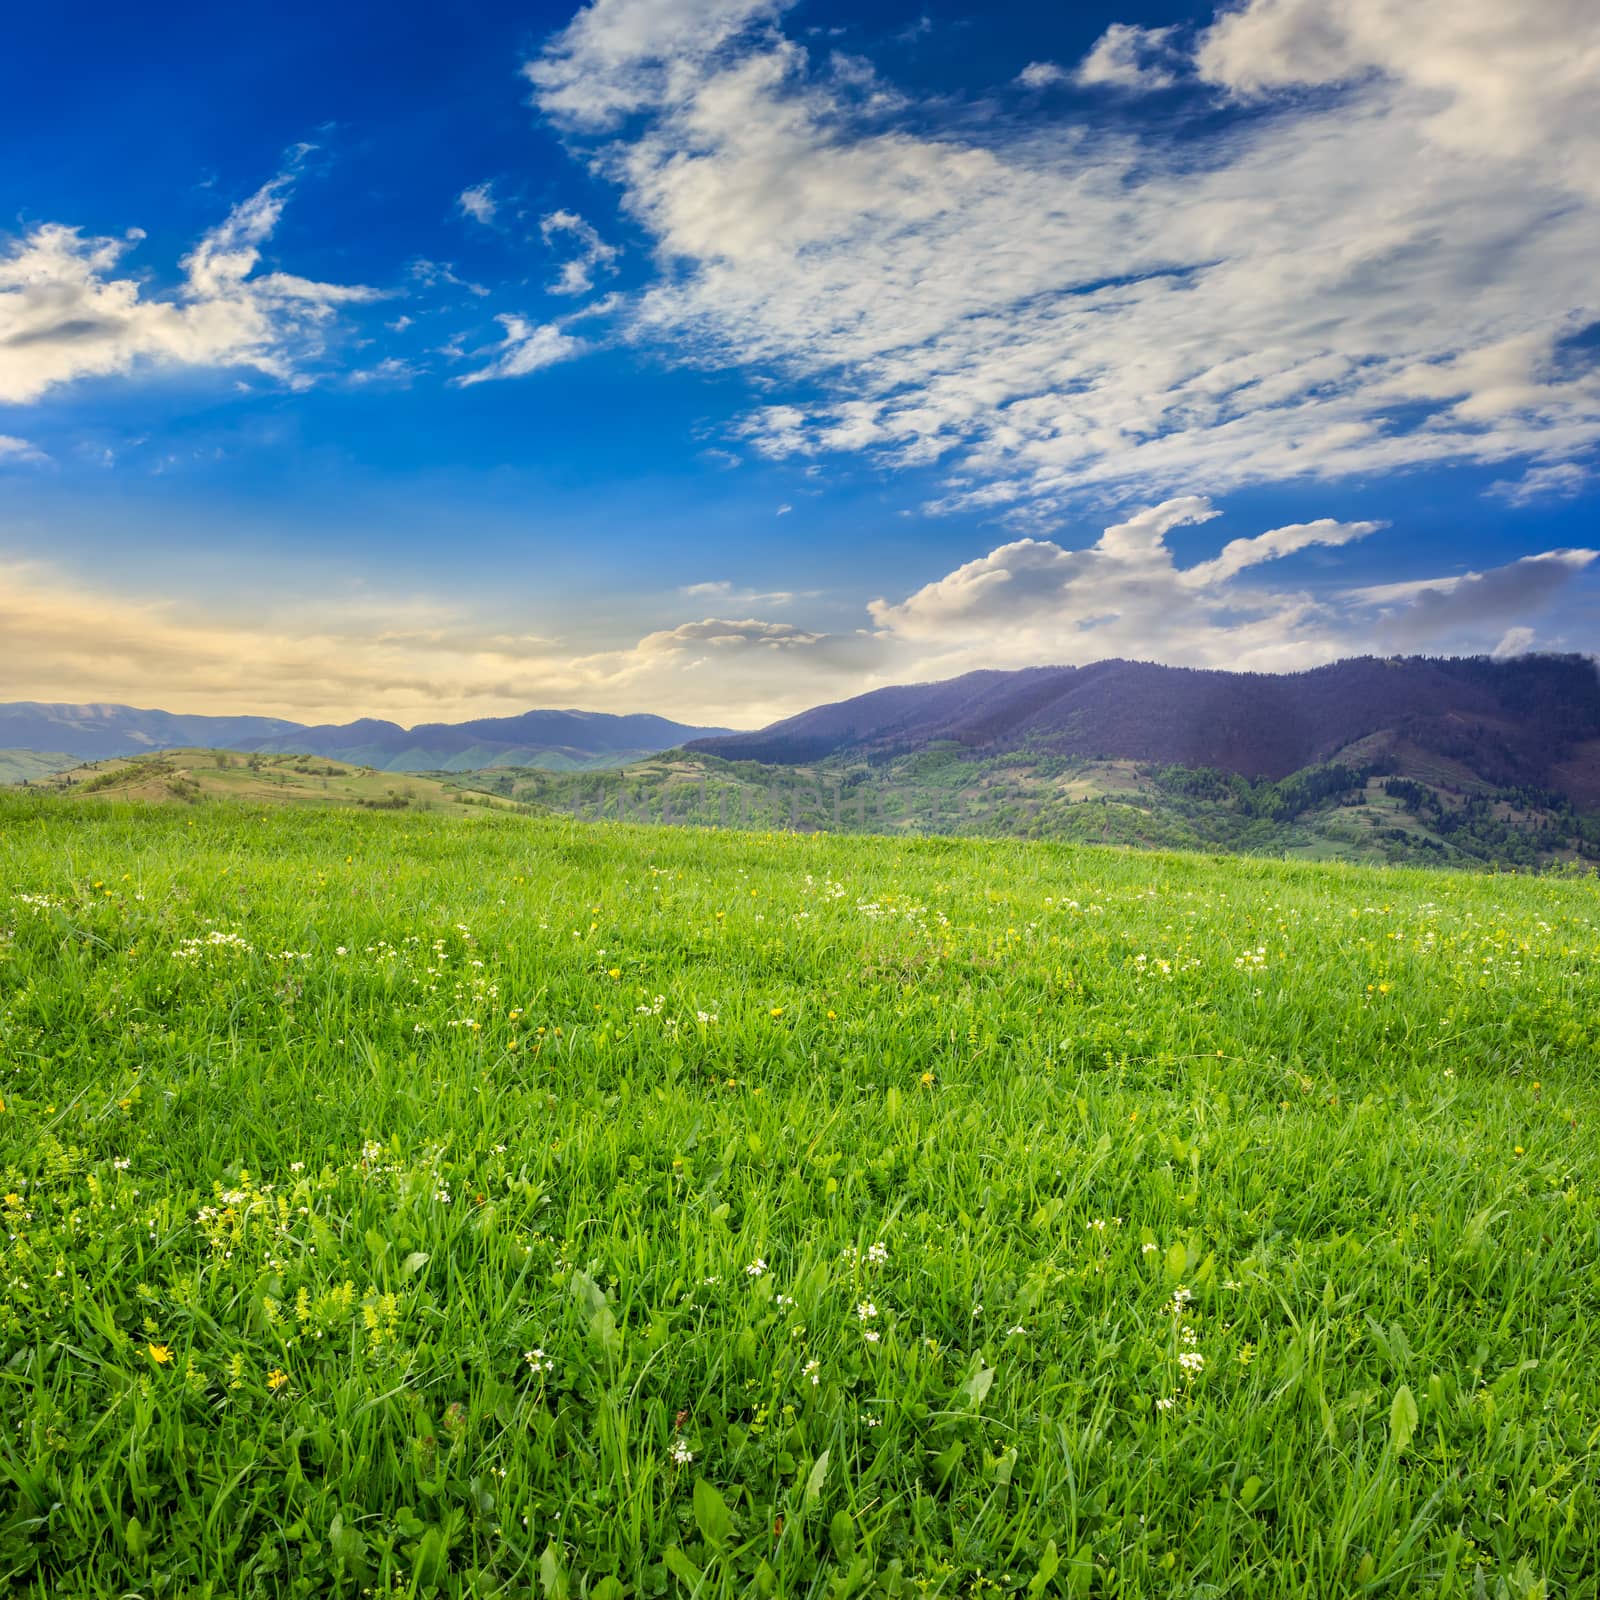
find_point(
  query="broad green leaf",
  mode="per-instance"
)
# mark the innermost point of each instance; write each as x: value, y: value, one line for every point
x: 428, y: 1563
x: 842, y: 1535
x: 347, y: 1543
x: 416, y: 1261
x: 977, y: 1386
x: 602, y: 1324
x: 711, y: 1514
x: 1080, y: 1572
x: 1402, y: 1419
x: 136, y: 1540
x: 552, y: 1575
x: 1049, y: 1560
x: 681, y: 1567
x: 1177, y: 1260
x: 608, y: 1588
x: 815, y: 1480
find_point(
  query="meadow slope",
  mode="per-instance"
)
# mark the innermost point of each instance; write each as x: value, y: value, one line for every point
x: 508, y: 1206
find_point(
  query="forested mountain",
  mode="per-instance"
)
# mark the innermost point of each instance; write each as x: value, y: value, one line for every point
x: 1534, y: 720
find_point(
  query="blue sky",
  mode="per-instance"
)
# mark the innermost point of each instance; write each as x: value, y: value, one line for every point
x: 719, y: 357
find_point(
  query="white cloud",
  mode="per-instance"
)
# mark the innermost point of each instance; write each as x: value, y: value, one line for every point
x: 617, y: 56
x: 15, y: 449
x: 1126, y: 57
x: 1558, y: 482
x: 527, y: 347
x: 1507, y: 81
x: 1318, y: 286
x: 1514, y: 642
x: 65, y: 315
x: 593, y: 253
x: 1043, y: 75
x: 479, y: 203
x: 1032, y: 601
x: 721, y: 592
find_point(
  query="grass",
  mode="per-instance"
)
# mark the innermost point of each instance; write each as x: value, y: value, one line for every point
x: 509, y: 1206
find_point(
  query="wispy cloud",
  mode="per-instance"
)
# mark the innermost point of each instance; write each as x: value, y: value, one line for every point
x: 15, y: 449
x: 1557, y: 482
x: 65, y: 314
x: 527, y: 347
x: 592, y: 253
x: 1387, y: 273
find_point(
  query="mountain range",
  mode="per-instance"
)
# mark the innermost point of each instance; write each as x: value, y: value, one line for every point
x: 555, y: 740
x: 1529, y: 721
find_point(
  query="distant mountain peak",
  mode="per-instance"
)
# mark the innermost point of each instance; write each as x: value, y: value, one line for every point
x: 534, y: 738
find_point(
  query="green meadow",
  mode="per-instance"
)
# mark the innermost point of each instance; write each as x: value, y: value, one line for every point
x: 508, y: 1206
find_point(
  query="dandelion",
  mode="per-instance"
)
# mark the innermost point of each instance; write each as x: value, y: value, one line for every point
x: 276, y: 1379
x: 160, y: 1354
x: 926, y: 1080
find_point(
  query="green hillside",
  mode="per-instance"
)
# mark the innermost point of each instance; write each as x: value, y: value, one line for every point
x: 530, y: 1208
x: 25, y: 766
x: 1356, y: 809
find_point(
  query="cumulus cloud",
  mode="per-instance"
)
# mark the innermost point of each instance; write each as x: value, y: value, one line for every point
x: 593, y: 253
x: 1126, y: 57
x: 1504, y: 81
x: 527, y: 347
x: 1034, y: 601
x: 66, y: 314
x: 479, y: 203
x: 1316, y: 285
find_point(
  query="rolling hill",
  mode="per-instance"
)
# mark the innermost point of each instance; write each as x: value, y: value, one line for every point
x: 168, y: 777
x: 555, y: 740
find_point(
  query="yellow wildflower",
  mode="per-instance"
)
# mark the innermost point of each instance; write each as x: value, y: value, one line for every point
x: 276, y: 1379
x: 159, y: 1353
